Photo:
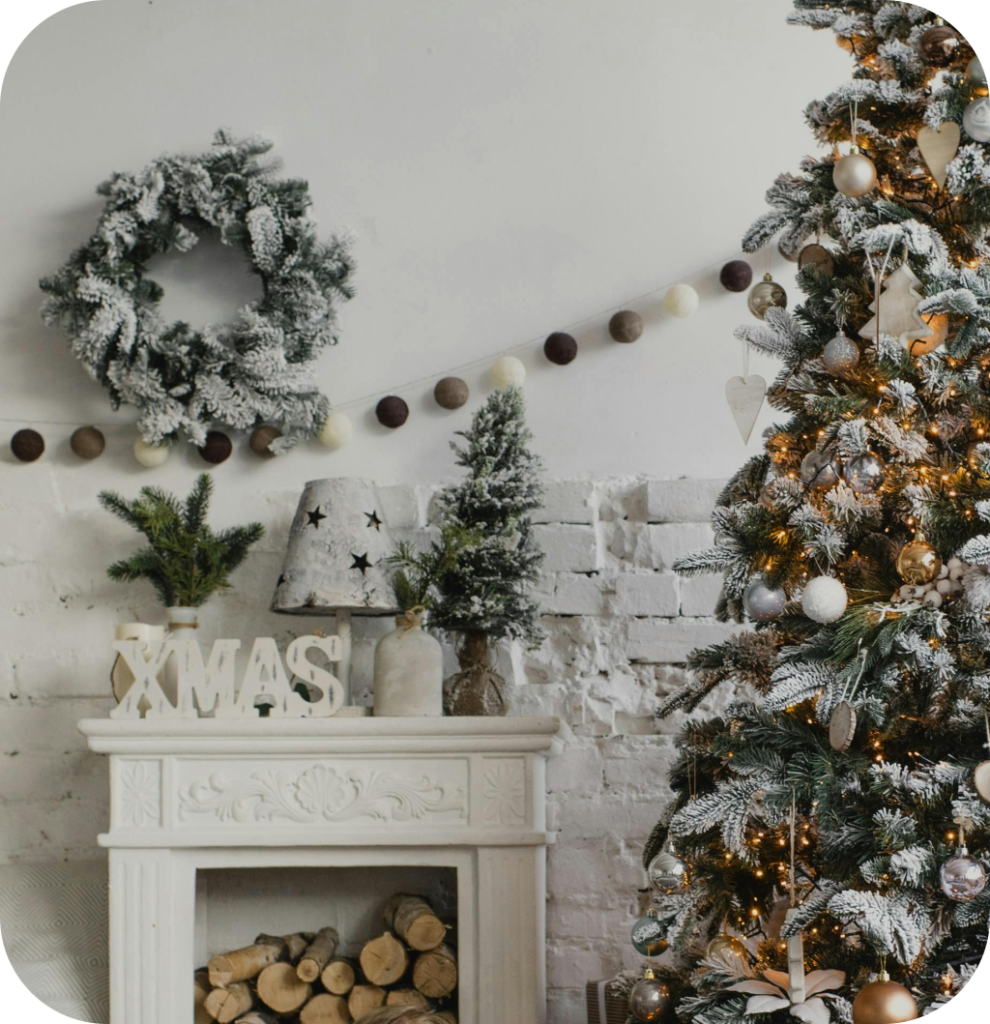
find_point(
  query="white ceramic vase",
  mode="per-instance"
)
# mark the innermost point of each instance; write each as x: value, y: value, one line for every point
x: 408, y: 672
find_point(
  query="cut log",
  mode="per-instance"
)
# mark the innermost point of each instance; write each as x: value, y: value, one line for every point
x: 201, y: 989
x: 384, y: 960
x: 339, y: 976
x: 247, y: 963
x: 435, y: 973
x: 447, y: 1017
x: 407, y: 997
x: 365, y: 998
x: 227, y: 1004
x: 298, y: 944
x: 258, y: 1017
x: 281, y: 990
x: 318, y: 954
x: 413, y: 920
x: 325, y: 1009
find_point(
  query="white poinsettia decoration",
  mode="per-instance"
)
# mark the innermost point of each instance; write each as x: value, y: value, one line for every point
x: 772, y: 994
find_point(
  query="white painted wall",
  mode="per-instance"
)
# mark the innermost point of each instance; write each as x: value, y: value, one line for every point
x: 508, y: 169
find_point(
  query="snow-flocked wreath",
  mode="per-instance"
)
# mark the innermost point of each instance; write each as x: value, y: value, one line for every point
x: 259, y: 368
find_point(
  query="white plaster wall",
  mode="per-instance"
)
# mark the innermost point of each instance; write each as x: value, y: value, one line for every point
x: 507, y: 169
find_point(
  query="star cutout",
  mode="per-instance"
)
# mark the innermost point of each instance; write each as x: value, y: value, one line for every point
x: 373, y: 521
x: 361, y: 562
x: 281, y: 580
x: 315, y: 516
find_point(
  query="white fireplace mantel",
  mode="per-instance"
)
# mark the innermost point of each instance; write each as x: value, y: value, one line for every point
x: 193, y: 795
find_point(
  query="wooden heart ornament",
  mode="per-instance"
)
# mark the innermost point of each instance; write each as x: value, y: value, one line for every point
x: 939, y: 148
x: 745, y: 397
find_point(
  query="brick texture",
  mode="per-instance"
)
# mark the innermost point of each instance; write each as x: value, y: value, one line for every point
x: 619, y: 624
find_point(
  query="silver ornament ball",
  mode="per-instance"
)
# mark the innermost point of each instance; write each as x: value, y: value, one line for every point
x: 648, y: 936
x: 766, y: 295
x: 764, y: 603
x: 962, y: 877
x: 855, y: 175
x: 820, y: 471
x: 649, y: 1000
x: 865, y: 473
x: 976, y: 74
x: 667, y: 872
x: 841, y: 354
x: 976, y: 119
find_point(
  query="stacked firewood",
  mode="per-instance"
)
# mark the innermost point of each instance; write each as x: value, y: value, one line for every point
x: 302, y: 979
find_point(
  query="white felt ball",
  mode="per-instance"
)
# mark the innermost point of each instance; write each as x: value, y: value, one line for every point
x: 934, y: 599
x: 508, y: 370
x: 824, y: 599
x: 681, y: 300
x: 336, y: 430
x: 150, y: 455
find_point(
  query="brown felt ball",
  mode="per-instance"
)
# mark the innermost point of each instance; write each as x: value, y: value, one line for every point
x: 451, y: 393
x: 560, y: 348
x: 626, y: 326
x: 392, y: 411
x: 217, y: 448
x: 736, y: 276
x: 261, y: 439
x: 87, y: 442
x: 27, y: 445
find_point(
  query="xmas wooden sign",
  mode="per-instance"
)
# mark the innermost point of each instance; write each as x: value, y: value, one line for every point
x: 210, y: 687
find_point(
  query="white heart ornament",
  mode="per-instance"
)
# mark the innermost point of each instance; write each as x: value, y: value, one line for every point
x: 745, y: 397
x: 939, y: 148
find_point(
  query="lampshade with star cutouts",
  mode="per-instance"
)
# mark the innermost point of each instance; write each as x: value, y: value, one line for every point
x: 336, y: 562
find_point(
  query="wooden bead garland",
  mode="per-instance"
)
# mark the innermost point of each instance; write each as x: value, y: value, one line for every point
x: 27, y: 445
x: 451, y: 393
x: 392, y: 412
x: 626, y: 327
x: 87, y: 442
x: 217, y: 447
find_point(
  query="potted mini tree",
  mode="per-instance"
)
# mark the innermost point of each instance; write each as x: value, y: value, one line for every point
x: 484, y: 594
x: 185, y: 561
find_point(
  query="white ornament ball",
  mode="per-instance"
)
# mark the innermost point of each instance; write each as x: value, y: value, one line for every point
x: 336, y: 430
x: 508, y: 370
x: 841, y: 354
x: 976, y: 119
x: 976, y: 74
x: 933, y: 598
x: 681, y: 300
x: 150, y: 455
x: 764, y: 603
x: 824, y: 599
x: 855, y: 175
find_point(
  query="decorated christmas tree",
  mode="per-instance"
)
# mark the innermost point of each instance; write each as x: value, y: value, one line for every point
x: 485, y: 591
x: 825, y: 856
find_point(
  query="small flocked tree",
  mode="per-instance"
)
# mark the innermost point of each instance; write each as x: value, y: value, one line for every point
x: 858, y: 546
x: 485, y: 593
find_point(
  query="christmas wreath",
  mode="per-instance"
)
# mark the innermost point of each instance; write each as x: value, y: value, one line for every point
x: 258, y: 368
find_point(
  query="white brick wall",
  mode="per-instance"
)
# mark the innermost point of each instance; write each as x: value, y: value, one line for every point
x: 619, y: 624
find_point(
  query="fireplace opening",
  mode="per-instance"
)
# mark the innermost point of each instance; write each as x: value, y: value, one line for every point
x: 393, y: 942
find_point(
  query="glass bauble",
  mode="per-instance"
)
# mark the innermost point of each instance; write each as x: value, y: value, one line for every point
x: 727, y: 945
x: 764, y: 603
x: 962, y: 877
x: 855, y: 175
x: 976, y: 74
x: 918, y: 562
x: 841, y: 354
x: 976, y: 119
x: 667, y: 872
x: 884, y: 1002
x: 766, y: 295
x: 865, y: 473
x: 938, y: 46
x: 648, y: 936
x: 820, y: 471
x: 649, y: 999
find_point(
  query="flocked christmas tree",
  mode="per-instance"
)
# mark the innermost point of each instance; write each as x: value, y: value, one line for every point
x: 485, y: 592
x: 816, y: 839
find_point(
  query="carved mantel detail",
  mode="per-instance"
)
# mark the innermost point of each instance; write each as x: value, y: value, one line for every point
x: 320, y: 793
x: 139, y: 799
x: 504, y: 791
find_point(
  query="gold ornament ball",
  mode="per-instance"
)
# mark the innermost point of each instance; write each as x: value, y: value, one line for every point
x: 727, y: 945
x: 884, y: 1002
x: 918, y: 562
x: 766, y: 295
x: 336, y: 430
x: 650, y: 999
x: 87, y: 442
x: 855, y: 175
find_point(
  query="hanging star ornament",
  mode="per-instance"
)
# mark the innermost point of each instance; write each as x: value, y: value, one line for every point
x: 360, y: 562
x: 315, y: 516
x: 373, y: 521
x: 772, y: 994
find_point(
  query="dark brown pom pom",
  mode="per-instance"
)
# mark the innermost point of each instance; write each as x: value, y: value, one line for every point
x: 27, y: 445
x: 87, y: 442
x: 560, y: 348
x: 217, y: 448
x: 736, y: 276
x: 392, y: 411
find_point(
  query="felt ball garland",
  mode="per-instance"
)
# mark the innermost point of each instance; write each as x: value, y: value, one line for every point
x: 336, y: 430
x: 261, y: 439
x: 392, y: 412
x: 626, y: 327
x: 560, y: 348
x: 87, y: 442
x: 27, y: 445
x: 216, y: 448
x: 451, y: 393
x: 508, y: 370
x: 150, y: 455
x: 736, y: 276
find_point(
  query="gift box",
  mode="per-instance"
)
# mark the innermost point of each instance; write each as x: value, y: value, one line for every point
x: 604, y: 1006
